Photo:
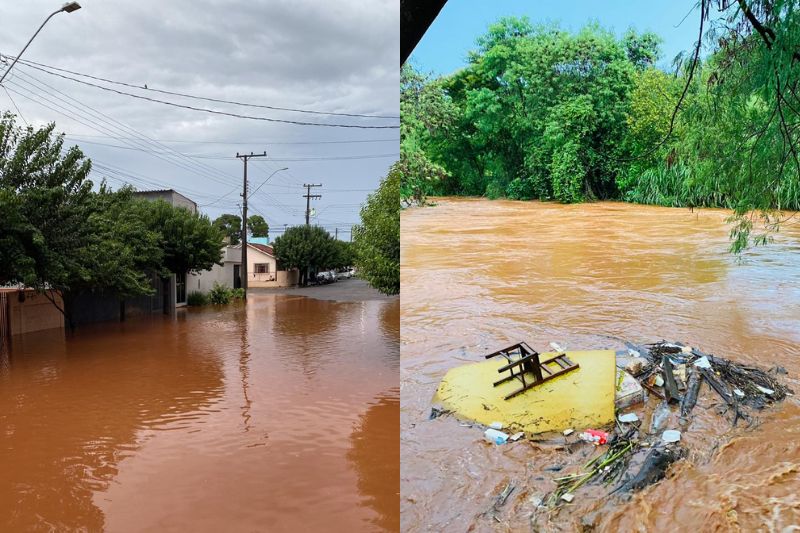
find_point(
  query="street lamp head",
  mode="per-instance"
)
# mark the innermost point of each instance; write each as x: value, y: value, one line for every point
x: 69, y: 7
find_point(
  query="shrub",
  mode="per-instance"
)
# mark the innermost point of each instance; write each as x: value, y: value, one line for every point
x: 197, y: 298
x: 494, y: 190
x: 521, y: 189
x: 220, y: 294
x: 237, y: 294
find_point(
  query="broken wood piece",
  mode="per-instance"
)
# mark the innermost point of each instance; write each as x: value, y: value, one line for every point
x: 670, y: 386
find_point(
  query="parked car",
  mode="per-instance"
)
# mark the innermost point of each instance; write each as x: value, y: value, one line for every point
x: 326, y: 276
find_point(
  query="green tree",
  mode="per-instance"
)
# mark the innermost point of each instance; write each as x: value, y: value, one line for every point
x: 62, y: 237
x: 230, y: 226
x: 257, y: 226
x: 189, y: 241
x: 306, y: 248
x: 377, y: 238
x: 344, y: 255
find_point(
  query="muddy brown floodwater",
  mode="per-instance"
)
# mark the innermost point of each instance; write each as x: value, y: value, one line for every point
x: 281, y: 415
x: 478, y: 274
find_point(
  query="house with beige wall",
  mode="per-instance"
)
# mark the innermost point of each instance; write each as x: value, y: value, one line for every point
x: 262, y: 268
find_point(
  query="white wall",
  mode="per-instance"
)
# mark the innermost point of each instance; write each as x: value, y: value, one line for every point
x: 204, y: 281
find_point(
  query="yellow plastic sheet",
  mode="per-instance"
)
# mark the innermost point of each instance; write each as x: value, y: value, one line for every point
x: 579, y: 399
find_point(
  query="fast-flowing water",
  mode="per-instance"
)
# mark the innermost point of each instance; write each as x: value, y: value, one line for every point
x: 277, y: 415
x: 479, y: 274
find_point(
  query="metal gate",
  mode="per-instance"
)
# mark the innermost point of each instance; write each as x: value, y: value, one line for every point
x: 5, y: 322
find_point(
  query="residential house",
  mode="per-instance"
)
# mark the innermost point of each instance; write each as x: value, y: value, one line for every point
x: 263, y: 269
x: 171, y: 196
x: 227, y: 274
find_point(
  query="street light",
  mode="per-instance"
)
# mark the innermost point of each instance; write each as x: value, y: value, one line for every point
x: 67, y: 8
x: 266, y: 180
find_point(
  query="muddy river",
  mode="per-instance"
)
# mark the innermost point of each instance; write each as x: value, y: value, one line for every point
x: 278, y: 415
x: 479, y: 274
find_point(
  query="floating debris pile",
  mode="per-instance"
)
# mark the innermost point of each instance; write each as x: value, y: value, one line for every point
x: 674, y: 373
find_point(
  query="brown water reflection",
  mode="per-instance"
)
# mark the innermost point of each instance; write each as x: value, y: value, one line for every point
x: 245, y: 418
x: 477, y: 274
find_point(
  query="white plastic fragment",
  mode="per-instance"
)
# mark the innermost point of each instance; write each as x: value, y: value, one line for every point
x: 557, y: 347
x: 496, y: 425
x: 633, y: 353
x: 516, y: 436
x: 628, y: 417
x: 659, y: 381
x: 495, y: 437
x: 765, y: 390
x: 738, y: 393
x: 568, y: 432
x: 671, y: 435
x: 567, y: 497
x: 703, y: 362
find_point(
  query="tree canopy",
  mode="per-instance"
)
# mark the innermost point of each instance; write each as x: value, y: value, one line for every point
x: 257, y: 226
x: 542, y: 113
x: 306, y: 248
x: 377, y: 238
x: 230, y: 226
x: 59, y: 234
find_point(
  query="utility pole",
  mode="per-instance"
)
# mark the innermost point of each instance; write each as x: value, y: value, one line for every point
x: 243, y: 268
x: 337, y: 233
x: 308, y: 196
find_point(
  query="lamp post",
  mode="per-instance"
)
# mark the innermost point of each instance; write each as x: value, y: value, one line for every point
x: 266, y: 180
x: 69, y: 7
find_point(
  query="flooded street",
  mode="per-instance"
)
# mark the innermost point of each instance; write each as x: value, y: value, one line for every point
x: 278, y: 415
x: 478, y: 275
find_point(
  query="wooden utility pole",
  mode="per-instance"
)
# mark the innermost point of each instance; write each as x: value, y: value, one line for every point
x: 243, y: 268
x: 308, y: 196
x: 337, y: 233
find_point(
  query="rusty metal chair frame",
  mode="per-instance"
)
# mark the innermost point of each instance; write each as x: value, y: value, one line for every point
x: 525, y: 360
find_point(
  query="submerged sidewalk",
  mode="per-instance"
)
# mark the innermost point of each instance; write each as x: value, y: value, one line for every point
x: 346, y: 290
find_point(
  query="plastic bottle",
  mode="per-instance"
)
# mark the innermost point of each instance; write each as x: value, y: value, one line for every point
x: 660, y: 416
x: 495, y: 437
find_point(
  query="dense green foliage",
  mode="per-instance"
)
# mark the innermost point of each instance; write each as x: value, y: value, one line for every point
x: 307, y: 248
x: 540, y: 113
x: 377, y: 238
x: 220, y: 295
x: 257, y: 226
x: 197, y: 299
x: 230, y: 226
x: 58, y: 234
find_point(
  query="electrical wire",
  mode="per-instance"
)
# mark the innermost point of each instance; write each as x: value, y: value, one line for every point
x: 215, y: 111
x: 34, y: 64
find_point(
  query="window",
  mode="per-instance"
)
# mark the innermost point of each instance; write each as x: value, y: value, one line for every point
x: 262, y: 268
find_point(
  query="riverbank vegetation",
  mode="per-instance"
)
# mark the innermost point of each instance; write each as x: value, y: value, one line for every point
x: 542, y: 113
x: 60, y: 235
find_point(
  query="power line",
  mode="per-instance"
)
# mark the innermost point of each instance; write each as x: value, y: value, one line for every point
x: 106, y: 125
x: 280, y: 159
x: 311, y: 158
x: 173, y: 93
x: 15, y: 106
x: 248, y: 143
x: 215, y: 111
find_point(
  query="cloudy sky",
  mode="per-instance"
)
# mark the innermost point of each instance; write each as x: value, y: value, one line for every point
x: 333, y: 57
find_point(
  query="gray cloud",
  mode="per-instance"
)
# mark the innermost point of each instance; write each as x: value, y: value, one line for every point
x: 334, y: 56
